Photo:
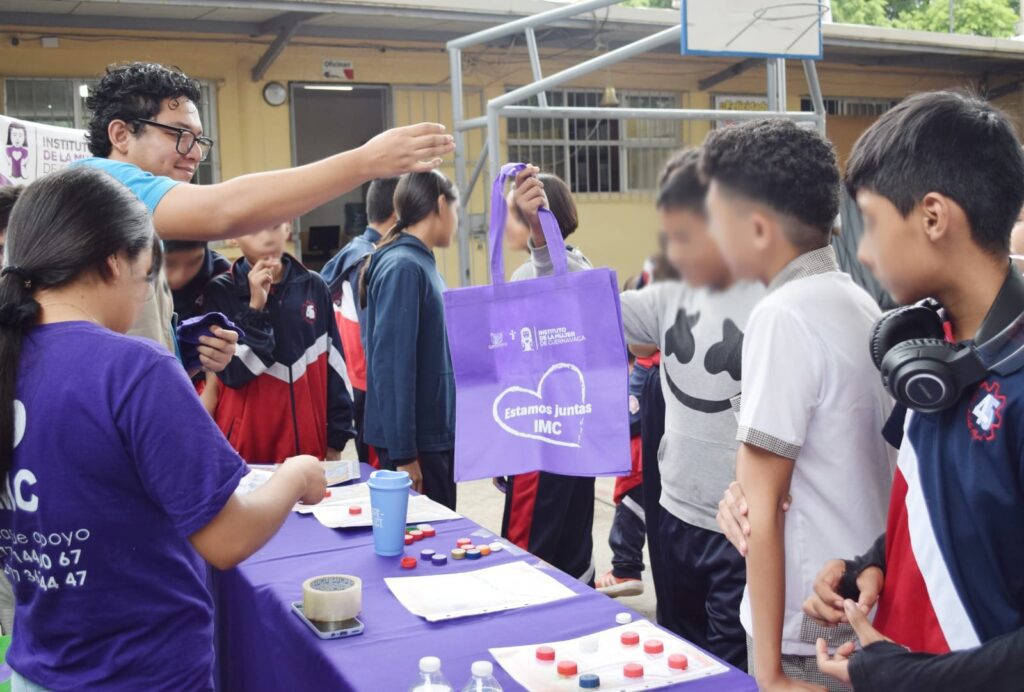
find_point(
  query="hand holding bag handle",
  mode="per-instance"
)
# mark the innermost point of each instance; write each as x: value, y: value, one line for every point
x: 499, y: 210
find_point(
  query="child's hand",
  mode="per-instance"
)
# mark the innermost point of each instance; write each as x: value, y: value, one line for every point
x: 529, y: 197
x: 311, y: 472
x: 838, y: 666
x: 415, y: 474
x: 732, y: 516
x: 215, y: 352
x: 826, y: 605
x: 261, y: 278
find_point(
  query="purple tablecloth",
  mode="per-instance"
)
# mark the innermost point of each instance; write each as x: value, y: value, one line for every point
x: 262, y: 645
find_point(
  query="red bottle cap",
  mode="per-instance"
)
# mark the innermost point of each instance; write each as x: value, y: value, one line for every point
x: 355, y: 510
x: 633, y: 670
x: 545, y: 653
x: 408, y: 562
x: 463, y: 542
x: 678, y: 662
x: 429, y: 533
x: 416, y: 534
x: 654, y: 646
x: 567, y: 668
x: 409, y: 539
x: 630, y: 638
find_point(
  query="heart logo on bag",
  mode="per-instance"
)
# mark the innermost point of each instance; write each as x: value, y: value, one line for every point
x: 553, y: 413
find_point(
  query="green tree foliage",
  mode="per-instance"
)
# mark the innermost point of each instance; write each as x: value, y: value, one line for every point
x: 997, y: 18
x: 667, y: 4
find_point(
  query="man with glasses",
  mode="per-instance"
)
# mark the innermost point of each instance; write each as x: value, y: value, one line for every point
x: 145, y: 130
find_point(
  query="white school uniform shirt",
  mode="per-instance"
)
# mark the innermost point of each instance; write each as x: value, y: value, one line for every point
x: 811, y: 393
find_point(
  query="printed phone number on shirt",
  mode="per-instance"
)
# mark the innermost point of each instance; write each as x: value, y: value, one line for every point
x: 34, y: 563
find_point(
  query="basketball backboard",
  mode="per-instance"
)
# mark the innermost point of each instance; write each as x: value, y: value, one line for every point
x: 752, y: 28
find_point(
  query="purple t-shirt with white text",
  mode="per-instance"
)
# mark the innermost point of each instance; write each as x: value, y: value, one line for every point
x: 116, y: 464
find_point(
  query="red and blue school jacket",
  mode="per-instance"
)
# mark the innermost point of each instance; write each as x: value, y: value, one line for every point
x: 954, y: 574
x: 286, y: 391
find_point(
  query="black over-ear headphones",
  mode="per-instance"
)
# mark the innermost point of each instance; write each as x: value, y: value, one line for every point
x: 925, y: 372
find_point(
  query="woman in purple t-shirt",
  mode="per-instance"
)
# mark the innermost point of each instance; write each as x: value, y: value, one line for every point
x: 118, y: 483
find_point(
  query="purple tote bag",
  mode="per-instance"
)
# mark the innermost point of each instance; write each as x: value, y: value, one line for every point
x: 540, y: 366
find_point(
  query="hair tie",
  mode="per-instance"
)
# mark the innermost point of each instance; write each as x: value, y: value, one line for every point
x: 18, y: 315
x: 22, y: 274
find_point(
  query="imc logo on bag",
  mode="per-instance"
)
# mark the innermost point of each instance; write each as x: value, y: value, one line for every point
x: 552, y: 413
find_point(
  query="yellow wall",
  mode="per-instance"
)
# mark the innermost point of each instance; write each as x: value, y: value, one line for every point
x: 615, y: 230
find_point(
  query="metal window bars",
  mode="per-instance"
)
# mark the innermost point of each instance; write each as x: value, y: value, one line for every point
x: 509, y: 104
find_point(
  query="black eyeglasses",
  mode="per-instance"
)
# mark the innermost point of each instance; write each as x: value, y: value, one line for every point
x: 186, y: 139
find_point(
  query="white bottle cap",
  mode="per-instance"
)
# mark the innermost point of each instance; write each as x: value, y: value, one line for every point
x: 482, y: 669
x: 589, y: 645
x: 430, y: 664
x: 623, y: 619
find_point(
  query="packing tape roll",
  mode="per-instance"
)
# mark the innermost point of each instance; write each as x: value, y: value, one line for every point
x: 332, y: 597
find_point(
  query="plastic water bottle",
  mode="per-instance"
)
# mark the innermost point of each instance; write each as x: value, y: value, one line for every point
x: 483, y: 678
x: 431, y: 679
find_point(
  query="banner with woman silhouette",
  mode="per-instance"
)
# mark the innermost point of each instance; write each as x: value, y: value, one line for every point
x: 540, y: 367
x: 31, y: 150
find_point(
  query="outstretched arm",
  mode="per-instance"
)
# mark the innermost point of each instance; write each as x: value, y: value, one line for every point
x: 250, y: 203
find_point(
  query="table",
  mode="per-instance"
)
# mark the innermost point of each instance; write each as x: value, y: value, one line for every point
x: 262, y: 645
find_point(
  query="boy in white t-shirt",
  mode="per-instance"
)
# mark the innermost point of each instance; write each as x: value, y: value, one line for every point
x: 812, y: 407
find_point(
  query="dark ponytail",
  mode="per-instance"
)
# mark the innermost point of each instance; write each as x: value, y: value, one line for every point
x: 63, y: 226
x: 416, y: 198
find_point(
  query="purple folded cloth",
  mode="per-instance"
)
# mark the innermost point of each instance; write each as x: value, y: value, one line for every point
x: 190, y: 330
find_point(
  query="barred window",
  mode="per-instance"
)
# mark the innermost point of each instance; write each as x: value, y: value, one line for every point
x: 596, y: 154
x: 852, y: 107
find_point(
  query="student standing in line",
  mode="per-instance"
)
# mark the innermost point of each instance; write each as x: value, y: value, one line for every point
x: 410, y: 395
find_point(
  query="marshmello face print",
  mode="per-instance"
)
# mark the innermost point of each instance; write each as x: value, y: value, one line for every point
x: 692, y: 377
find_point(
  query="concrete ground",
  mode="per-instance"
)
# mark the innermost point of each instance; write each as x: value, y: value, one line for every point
x: 481, y: 502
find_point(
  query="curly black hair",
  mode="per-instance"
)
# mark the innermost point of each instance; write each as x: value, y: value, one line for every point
x: 680, y: 185
x: 790, y: 169
x: 131, y: 91
x: 948, y: 142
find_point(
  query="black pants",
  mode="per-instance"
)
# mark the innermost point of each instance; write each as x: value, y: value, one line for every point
x: 359, y: 411
x: 552, y: 516
x: 705, y: 580
x: 627, y: 536
x: 438, y: 469
x: 652, y: 429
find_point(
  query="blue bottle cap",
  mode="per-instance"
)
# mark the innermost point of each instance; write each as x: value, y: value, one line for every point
x: 389, y: 480
x: 589, y: 681
x: 426, y: 554
x: 473, y: 554
x: 439, y: 560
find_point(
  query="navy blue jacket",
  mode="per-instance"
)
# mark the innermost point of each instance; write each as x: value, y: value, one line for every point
x: 340, y: 267
x: 286, y: 391
x: 188, y: 300
x: 410, y: 398
x: 344, y: 267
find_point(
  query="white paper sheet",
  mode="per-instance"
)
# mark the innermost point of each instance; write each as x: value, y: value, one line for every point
x: 608, y: 661
x: 492, y: 589
x: 334, y: 511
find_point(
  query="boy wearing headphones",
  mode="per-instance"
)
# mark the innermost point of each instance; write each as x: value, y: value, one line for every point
x: 939, y: 179
x: 812, y: 406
